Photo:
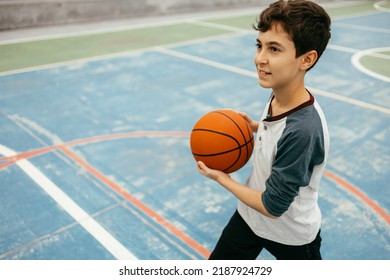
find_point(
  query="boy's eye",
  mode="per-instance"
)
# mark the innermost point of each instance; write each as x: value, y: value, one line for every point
x: 258, y: 45
x: 273, y: 49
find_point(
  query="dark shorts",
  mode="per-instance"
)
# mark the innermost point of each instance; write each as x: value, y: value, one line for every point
x: 239, y: 242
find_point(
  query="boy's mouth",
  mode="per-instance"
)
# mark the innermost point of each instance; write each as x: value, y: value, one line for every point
x: 263, y: 73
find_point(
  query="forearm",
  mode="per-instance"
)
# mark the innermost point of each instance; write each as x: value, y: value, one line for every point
x: 248, y: 196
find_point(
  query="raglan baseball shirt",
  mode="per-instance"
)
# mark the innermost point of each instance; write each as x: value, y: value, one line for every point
x: 289, y: 158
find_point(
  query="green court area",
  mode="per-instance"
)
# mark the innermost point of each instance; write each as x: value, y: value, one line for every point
x: 33, y: 53
x: 374, y: 63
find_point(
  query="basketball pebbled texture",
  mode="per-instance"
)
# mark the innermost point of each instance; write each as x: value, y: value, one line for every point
x: 223, y: 140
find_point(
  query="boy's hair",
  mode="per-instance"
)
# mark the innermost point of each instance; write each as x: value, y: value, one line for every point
x: 307, y: 24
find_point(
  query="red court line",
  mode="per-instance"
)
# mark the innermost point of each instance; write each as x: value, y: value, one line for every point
x: 32, y: 153
x: 128, y: 135
x: 158, y: 218
x: 25, y: 155
x: 358, y: 193
x: 140, y: 205
x: 340, y: 181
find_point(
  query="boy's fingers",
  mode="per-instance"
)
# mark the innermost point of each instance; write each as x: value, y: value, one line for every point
x: 201, y: 166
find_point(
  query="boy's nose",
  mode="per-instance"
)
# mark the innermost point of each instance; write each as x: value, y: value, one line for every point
x: 260, y: 57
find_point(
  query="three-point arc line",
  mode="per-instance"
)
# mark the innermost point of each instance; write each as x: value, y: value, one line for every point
x: 140, y: 205
x: 358, y: 193
x: 64, y: 147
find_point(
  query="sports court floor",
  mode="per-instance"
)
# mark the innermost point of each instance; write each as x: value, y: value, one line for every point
x: 95, y: 122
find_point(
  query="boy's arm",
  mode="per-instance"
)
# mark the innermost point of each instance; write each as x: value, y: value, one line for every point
x: 250, y: 197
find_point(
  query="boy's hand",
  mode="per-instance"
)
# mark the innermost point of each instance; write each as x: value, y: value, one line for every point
x: 213, y: 174
x: 254, y: 124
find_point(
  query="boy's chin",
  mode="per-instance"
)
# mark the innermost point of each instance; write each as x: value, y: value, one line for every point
x: 264, y: 84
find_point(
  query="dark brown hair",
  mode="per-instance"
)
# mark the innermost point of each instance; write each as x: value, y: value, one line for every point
x: 307, y: 24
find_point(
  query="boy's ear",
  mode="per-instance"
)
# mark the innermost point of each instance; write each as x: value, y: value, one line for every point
x: 308, y: 59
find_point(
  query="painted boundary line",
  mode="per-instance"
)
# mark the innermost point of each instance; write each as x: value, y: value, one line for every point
x: 72, y: 208
x: 201, y: 18
x: 72, y: 62
x: 15, y: 158
x: 379, y: 6
x: 253, y: 74
x: 195, y: 19
x: 137, y: 203
x: 361, y: 27
x: 373, y: 53
x: 206, y: 62
x: 359, y: 194
x: 145, y: 23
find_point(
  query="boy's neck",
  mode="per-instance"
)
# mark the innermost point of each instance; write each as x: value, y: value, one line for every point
x: 287, y: 100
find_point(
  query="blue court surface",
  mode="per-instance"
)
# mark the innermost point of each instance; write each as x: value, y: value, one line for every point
x: 95, y: 160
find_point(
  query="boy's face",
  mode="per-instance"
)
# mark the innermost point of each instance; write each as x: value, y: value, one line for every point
x: 276, y: 64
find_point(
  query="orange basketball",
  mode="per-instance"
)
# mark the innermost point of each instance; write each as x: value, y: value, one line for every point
x: 223, y: 140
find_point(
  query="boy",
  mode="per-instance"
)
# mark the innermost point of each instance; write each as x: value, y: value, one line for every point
x: 278, y: 207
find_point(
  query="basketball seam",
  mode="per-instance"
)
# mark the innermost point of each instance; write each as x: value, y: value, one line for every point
x: 224, y: 152
x: 221, y: 133
x: 217, y: 132
x: 242, y: 134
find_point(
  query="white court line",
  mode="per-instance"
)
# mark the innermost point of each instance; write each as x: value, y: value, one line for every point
x: 253, y: 74
x: 202, y: 61
x: 361, y: 27
x: 375, y: 53
x: 220, y: 26
x: 205, y: 61
x: 342, y: 48
x: 235, y: 32
x: 81, y: 61
x: 378, y: 6
x: 72, y: 208
x: 349, y: 100
x: 85, y: 29
x: 368, y: 52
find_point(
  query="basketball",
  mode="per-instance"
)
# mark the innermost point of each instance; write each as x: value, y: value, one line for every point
x: 223, y: 140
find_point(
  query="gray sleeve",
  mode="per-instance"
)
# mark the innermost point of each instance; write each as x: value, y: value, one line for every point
x: 300, y: 148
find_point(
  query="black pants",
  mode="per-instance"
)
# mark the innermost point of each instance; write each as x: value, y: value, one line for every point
x: 239, y: 242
